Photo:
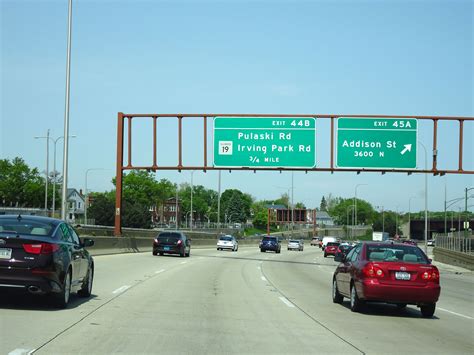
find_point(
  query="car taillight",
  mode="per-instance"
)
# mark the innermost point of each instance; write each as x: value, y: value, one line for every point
x: 372, y: 271
x: 156, y: 241
x: 41, y: 248
x: 431, y: 275
x: 179, y: 242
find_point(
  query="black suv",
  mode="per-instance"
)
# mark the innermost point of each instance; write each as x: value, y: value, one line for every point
x: 270, y: 243
x: 172, y: 243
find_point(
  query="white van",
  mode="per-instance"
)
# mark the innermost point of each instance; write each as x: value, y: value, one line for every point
x: 326, y: 240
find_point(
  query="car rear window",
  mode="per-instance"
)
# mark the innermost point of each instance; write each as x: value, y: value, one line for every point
x: 269, y: 239
x: 332, y: 244
x: 294, y: 241
x: 169, y: 237
x: 396, y: 253
x: 28, y: 227
x: 228, y: 239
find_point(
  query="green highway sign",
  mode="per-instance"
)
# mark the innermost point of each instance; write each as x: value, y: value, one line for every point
x: 376, y: 143
x: 265, y: 142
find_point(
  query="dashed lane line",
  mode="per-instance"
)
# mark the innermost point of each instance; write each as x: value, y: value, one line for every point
x: 288, y: 303
x: 121, y: 289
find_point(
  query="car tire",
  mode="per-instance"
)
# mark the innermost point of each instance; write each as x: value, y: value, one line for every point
x: 356, y: 303
x: 61, y: 299
x: 86, y: 288
x: 336, y: 296
x: 218, y: 248
x: 325, y: 255
x: 161, y: 253
x: 278, y: 251
x: 188, y: 253
x: 182, y: 253
x: 154, y: 253
x: 427, y: 310
x: 401, y: 306
x: 262, y: 251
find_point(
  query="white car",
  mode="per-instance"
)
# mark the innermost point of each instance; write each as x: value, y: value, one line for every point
x: 227, y: 242
x: 295, y: 244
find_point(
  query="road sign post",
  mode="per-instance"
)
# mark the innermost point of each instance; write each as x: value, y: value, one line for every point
x: 265, y: 142
x: 376, y: 143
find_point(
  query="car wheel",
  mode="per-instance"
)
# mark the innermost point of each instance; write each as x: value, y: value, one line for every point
x: 427, y: 310
x: 86, y: 288
x: 356, y: 303
x: 401, y: 306
x: 278, y: 251
x: 62, y: 299
x: 188, y: 253
x: 161, y: 253
x: 154, y: 252
x: 182, y: 253
x: 262, y: 251
x: 336, y: 296
x: 218, y: 248
x: 325, y: 255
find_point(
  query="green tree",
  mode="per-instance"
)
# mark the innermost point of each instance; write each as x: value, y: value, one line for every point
x: 20, y: 185
x: 323, y: 206
x: 102, y: 208
x: 239, y: 199
x: 343, y: 211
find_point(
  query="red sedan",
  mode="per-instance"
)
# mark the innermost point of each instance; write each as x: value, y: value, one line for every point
x: 331, y: 249
x: 394, y: 273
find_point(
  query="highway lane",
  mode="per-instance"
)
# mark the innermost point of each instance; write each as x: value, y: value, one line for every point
x: 224, y: 302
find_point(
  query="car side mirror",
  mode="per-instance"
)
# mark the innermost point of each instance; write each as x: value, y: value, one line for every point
x: 87, y: 242
x: 430, y: 260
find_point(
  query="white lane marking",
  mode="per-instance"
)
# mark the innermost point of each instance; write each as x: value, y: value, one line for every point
x: 201, y: 257
x: 263, y: 278
x: 159, y: 271
x: 21, y: 352
x: 258, y: 267
x: 456, y: 314
x: 121, y: 289
x: 183, y: 262
x: 288, y: 303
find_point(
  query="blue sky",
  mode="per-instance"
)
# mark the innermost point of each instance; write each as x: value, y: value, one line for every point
x: 281, y: 57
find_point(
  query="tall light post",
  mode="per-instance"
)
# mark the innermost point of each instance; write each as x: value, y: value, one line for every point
x: 383, y: 218
x: 355, y: 202
x: 191, y: 217
x: 448, y: 204
x: 86, y: 194
x: 66, y: 114
x: 465, y: 211
x: 47, y: 170
x: 409, y: 217
x: 426, y: 197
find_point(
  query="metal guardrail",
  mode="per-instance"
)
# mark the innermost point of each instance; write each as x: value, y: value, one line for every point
x: 456, y: 242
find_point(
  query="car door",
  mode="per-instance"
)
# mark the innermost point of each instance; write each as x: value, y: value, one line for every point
x: 72, y: 253
x: 82, y: 253
x: 346, y: 270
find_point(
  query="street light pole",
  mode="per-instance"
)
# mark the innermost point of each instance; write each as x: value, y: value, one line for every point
x: 47, y: 171
x: 347, y: 216
x: 66, y: 115
x: 219, y: 202
x: 426, y: 198
x: 191, y: 217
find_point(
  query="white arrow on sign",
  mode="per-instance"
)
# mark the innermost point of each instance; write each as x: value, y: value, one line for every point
x: 407, y: 148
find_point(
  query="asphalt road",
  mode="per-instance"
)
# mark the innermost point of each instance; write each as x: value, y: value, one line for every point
x: 219, y: 302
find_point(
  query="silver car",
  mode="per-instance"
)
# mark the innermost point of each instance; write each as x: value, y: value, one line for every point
x: 227, y: 242
x: 295, y: 244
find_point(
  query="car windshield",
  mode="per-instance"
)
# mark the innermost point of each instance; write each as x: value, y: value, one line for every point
x: 226, y: 238
x: 169, y: 237
x: 396, y: 253
x: 28, y: 227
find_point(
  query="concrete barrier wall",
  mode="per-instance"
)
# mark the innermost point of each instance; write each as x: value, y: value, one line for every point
x: 120, y: 245
x: 454, y: 258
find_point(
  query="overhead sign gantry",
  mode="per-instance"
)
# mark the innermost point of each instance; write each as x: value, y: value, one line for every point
x: 265, y: 142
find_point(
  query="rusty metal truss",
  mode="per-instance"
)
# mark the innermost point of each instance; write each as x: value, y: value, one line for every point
x: 127, y: 119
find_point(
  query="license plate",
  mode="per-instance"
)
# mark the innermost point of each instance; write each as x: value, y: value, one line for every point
x: 5, y: 253
x: 166, y: 248
x: 402, y: 275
